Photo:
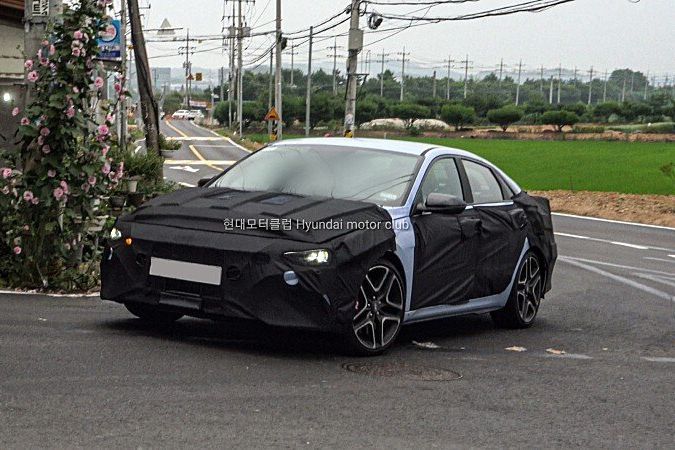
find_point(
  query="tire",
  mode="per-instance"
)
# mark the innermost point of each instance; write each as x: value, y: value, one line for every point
x: 151, y: 314
x: 379, y: 309
x: 523, y: 305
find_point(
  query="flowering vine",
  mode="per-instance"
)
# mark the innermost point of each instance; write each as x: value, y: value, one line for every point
x: 54, y: 182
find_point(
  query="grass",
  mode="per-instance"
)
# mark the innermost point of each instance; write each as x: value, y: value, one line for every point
x: 626, y: 167
x: 603, y: 166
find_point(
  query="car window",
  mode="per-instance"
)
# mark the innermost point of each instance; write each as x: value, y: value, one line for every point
x: 484, y: 186
x: 442, y: 178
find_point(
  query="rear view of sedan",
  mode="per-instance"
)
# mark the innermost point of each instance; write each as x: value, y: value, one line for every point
x: 352, y: 236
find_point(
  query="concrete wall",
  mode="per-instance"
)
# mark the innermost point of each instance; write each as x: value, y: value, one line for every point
x: 11, y: 58
x: 11, y: 77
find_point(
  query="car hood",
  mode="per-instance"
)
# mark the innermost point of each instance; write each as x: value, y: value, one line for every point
x: 264, y: 214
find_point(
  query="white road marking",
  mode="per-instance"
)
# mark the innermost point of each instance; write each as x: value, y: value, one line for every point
x: 205, y: 129
x: 656, y: 278
x: 569, y: 356
x: 185, y: 169
x: 659, y: 259
x: 575, y: 262
x: 186, y: 184
x: 237, y: 145
x: 196, y: 138
x: 662, y: 359
x: 618, y: 266
x: 606, y: 241
x: 597, y: 219
x: 195, y: 162
x: 671, y: 256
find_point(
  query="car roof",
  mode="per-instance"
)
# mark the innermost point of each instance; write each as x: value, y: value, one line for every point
x: 392, y: 145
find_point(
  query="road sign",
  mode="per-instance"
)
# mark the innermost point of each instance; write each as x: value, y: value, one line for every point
x: 273, y: 115
x: 200, y: 76
x: 110, y: 42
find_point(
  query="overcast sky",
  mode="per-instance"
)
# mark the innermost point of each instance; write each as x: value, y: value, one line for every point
x: 605, y: 34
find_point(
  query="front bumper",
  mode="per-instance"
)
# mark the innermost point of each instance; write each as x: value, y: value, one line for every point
x: 252, y: 284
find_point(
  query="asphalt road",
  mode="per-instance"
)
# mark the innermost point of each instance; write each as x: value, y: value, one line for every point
x: 77, y: 372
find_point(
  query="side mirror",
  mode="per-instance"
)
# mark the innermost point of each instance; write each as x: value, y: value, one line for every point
x: 203, y: 182
x: 443, y: 204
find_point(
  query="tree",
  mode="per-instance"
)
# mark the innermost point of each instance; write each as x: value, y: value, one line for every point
x: 409, y: 112
x: 221, y: 112
x: 505, y: 116
x: 458, y: 115
x: 604, y: 110
x: 559, y: 119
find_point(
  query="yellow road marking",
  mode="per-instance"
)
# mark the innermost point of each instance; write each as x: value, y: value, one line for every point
x: 175, y: 129
x: 204, y: 160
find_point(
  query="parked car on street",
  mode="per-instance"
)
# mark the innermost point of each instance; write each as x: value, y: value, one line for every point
x: 195, y: 114
x: 352, y: 236
x: 181, y: 114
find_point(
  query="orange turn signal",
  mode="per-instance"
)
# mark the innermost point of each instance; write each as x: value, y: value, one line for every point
x: 128, y: 242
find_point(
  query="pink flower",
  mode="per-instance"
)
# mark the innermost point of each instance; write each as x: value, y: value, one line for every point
x: 46, y: 149
x: 111, y: 175
x: 41, y: 140
x: 28, y: 196
x: 32, y: 76
x: 58, y: 193
x: 17, y: 250
x: 6, y: 172
x: 77, y: 52
x: 92, y: 180
x: 28, y: 64
x: 70, y: 112
x: 103, y: 130
x: 44, y: 61
x: 35, y: 200
x: 78, y: 34
x: 123, y: 97
x: 118, y: 87
x: 25, y: 121
x: 52, y: 49
x: 105, y: 150
x: 51, y: 173
x: 64, y: 186
x: 5, y: 190
x: 15, y: 112
x: 44, y: 131
x: 106, y: 168
x: 76, y: 89
x: 98, y: 83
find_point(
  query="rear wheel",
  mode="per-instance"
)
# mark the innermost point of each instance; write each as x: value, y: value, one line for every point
x: 378, y: 311
x: 523, y: 304
x: 151, y: 314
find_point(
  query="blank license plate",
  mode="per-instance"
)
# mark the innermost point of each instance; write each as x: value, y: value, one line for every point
x: 181, y: 270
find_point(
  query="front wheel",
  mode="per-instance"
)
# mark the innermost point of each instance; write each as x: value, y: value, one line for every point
x: 378, y: 311
x: 151, y: 314
x: 523, y: 304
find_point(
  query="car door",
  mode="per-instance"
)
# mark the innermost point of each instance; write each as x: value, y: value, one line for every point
x: 502, y: 231
x: 445, y: 244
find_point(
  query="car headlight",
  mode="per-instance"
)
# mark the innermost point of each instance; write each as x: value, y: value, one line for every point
x: 115, y: 234
x: 310, y: 257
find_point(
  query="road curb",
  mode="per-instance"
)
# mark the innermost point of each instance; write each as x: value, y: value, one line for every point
x: 41, y: 294
x: 620, y: 222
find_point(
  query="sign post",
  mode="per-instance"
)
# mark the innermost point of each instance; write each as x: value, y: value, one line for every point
x: 273, y: 116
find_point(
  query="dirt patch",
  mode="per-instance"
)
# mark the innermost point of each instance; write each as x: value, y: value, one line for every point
x: 649, y: 209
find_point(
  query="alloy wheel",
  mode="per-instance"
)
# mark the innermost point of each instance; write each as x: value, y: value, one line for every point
x: 379, y: 308
x: 528, y: 294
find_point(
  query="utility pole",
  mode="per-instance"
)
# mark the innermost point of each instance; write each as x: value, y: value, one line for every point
x: 604, y: 90
x: 293, y: 53
x: 590, y: 86
x: 278, y: 81
x: 270, y: 97
x: 550, y: 92
x: 520, y: 71
x: 501, y: 71
x: 240, y: 71
x: 188, y: 68
x: 383, y: 55
x: 447, y: 86
x: 335, y: 48
x: 576, y: 96
x: 559, y: 82
x: 148, y: 103
x: 541, y: 81
x: 466, y: 75
x: 231, y: 89
x: 623, y: 90
x: 122, y: 106
x: 646, y: 85
x: 403, y: 55
x: 355, y: 46
x: 433, y: 89
x: 308, y: 102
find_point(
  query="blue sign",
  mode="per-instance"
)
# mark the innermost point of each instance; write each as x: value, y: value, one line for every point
x: 110, y: 42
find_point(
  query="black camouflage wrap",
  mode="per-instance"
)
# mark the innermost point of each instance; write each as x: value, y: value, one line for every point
x: 190, y: 225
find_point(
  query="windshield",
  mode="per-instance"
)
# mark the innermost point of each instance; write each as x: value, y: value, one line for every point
x: 375, y: 176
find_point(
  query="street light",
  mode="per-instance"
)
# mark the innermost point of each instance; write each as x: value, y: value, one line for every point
x: 7, y: 97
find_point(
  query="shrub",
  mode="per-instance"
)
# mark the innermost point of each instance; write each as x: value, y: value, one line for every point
x: 559, y: 119
x: 165, y: 144
x: 458, y: 115
x: 505, y: 116
x: 588, y: 129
